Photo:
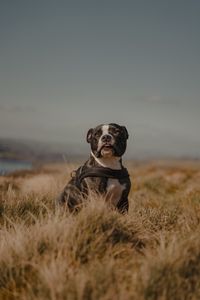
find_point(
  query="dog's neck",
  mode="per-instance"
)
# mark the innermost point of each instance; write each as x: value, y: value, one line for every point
x: 114, y: 162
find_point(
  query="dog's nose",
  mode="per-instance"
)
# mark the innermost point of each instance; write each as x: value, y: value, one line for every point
x: 106, y: 138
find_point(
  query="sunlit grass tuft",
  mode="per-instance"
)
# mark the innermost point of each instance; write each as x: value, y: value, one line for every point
x: 151, y: 253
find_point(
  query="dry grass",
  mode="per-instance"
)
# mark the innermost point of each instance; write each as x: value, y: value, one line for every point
x: 152, y: 253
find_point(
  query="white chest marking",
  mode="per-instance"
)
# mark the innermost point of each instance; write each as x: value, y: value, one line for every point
x: 114, y: 191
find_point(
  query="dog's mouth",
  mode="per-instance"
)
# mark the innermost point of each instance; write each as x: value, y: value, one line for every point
x: 107, y: 146
x: 107, y: 150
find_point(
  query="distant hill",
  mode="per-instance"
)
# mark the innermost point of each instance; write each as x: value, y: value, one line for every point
x: 27, y: 150
x: 37, y: 151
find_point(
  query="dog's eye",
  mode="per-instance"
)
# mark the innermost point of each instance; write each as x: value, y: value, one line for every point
x: 97, y: 134
x: 115, y: 131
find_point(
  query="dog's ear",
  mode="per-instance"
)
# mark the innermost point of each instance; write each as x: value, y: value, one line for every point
x: 89, y: 135
x: 125, y: 131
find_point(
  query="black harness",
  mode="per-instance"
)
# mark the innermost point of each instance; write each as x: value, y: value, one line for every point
x: 85, y: 171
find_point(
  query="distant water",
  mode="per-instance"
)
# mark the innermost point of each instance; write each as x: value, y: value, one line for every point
x: 7, y: 166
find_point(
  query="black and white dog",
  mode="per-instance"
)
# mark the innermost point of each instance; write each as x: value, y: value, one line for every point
x: 103, y: 172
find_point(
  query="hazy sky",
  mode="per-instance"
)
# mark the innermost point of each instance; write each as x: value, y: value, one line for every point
x: 66, y: 66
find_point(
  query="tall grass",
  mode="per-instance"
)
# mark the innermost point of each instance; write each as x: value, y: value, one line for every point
x: 151, y: 253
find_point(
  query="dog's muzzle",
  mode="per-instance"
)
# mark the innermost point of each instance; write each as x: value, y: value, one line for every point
x: 106, y: 145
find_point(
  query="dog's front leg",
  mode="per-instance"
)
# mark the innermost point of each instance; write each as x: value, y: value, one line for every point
x: 71, y: 198
x: 123, y: 205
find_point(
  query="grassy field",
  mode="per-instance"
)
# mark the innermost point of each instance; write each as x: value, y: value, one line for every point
x: 151, y: 253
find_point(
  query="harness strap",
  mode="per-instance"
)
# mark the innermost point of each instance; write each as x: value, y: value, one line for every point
x: 84, y: 172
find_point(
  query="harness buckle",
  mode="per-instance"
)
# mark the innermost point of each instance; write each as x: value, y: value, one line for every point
x: 73, y: 174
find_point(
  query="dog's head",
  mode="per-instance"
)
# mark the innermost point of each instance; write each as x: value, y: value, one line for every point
x: 108, y: 140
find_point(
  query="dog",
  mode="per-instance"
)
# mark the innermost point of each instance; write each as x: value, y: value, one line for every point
x: 103, y: 172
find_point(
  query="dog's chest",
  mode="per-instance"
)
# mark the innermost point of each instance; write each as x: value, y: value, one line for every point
x: 114, y: 191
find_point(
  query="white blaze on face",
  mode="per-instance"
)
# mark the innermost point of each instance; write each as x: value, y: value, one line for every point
x: 105, y: 130
x: 105, y: 152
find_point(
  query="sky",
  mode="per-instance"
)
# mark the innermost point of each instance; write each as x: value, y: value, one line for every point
x: 67, y: 66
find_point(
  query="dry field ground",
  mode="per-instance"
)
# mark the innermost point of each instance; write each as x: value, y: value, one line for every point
x: 151, y: 253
